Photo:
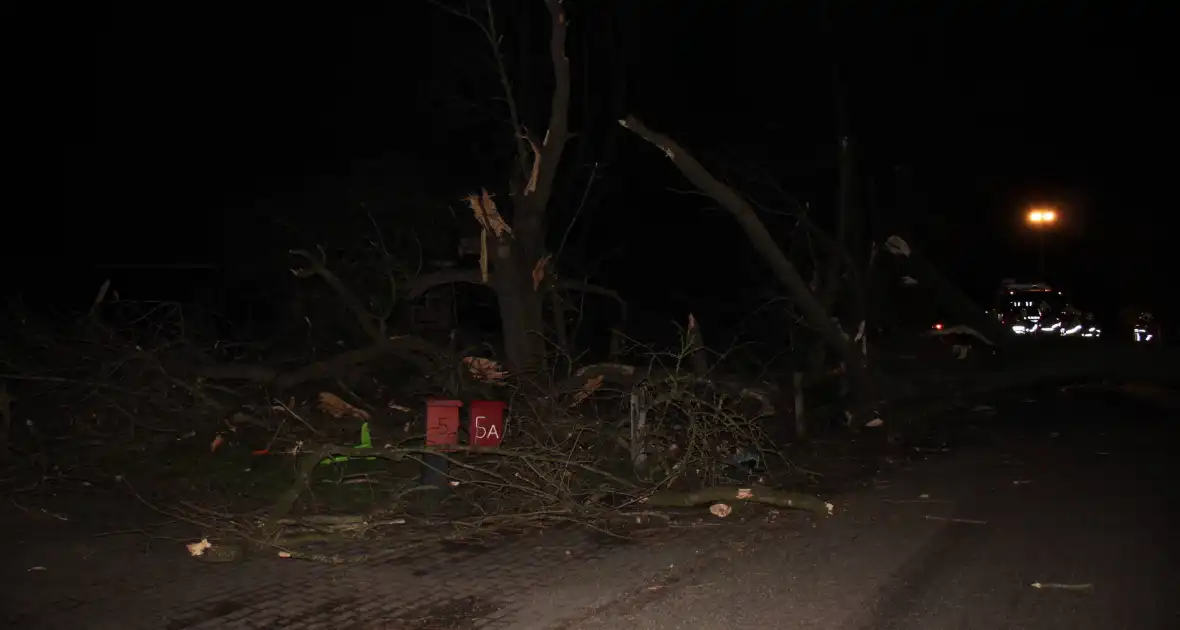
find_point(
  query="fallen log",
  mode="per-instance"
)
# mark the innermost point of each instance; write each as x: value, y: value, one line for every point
x: 751, y: 494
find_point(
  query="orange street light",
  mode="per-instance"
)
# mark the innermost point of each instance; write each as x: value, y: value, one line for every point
x: 1040, y: 219
x: 1042, y: 216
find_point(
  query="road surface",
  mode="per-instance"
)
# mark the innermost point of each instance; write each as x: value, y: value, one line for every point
x: 1077, y: 495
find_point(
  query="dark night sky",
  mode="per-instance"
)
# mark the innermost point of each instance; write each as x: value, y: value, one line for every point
x: 173, y: 121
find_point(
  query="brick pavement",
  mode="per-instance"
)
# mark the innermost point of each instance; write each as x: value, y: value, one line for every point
x: 539, y: 581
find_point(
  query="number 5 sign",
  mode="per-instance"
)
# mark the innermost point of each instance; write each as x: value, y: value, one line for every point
x: 486, y: 422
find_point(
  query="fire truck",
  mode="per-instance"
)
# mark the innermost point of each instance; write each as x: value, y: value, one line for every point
x: 1036, y: 308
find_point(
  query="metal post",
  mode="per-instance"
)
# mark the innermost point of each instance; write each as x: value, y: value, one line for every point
x: 1041, y: 237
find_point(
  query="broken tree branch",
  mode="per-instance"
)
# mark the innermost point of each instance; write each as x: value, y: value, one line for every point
x: 583, y: 287
x: 696, y: 348
x: 763, y: 242
x: 312, y: 458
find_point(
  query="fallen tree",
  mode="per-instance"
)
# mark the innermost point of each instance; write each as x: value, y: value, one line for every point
x: 766, y: 247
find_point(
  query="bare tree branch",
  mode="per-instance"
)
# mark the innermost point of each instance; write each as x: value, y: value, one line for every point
x: 373, y: 326
x: 577, y: 212
x: 487, y: 26
x: 558, y: 132
x: 582, y: 287
x: 529, y: 220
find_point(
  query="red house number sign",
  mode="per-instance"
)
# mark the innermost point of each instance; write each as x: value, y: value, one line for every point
x: 487, y: 422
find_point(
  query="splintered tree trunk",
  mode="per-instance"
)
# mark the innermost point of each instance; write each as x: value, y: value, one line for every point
x: 696, y: 346
x: 521, y: 312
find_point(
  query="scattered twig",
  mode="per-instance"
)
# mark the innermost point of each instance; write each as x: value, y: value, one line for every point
x: 1063, y: 587
x: 950, y: 519
x: 278, y: 403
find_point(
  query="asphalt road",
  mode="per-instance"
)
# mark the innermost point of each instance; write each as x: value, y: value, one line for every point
x: 1077, y: 494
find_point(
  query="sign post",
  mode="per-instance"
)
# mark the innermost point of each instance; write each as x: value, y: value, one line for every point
x: 442, y: 429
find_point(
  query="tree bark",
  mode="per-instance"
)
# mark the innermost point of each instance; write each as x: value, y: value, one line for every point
x: 521, y: 313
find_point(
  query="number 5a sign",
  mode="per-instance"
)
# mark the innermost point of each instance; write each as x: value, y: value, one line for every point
x: 486, y: 422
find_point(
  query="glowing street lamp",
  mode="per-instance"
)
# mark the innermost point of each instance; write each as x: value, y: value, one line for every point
x: 1041, y: 219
